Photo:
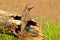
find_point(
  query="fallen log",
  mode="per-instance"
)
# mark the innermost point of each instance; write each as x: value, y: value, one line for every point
x: 25, y: 26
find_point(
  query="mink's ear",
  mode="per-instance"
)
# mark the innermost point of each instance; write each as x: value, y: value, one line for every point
x: 29, y: 6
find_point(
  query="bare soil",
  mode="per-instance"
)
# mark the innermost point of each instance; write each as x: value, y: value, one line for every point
x: 49, y: 8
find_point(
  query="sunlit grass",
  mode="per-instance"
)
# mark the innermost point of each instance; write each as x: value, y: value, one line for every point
x: 51, y: 29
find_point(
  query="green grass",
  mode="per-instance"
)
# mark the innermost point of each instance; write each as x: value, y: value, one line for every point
x: 51, y: 31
